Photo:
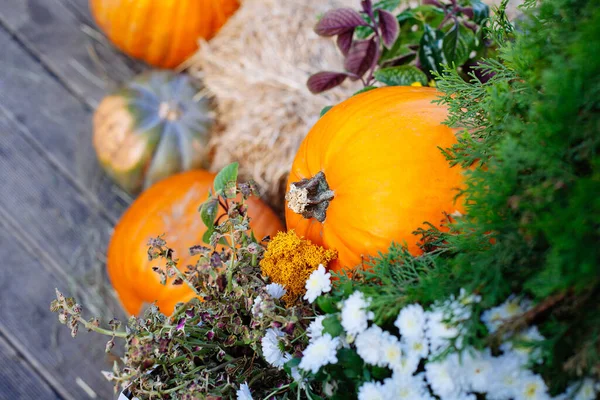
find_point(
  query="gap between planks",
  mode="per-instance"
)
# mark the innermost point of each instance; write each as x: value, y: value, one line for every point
x: 34, y: 365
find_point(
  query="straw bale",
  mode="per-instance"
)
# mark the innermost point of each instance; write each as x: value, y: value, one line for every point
x: 257, y: 67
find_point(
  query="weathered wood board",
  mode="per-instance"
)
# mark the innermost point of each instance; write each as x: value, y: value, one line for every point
x: 55, y: 122
x: 81, y: 59
x: 27, y: 281
x: 57, y: 208
x: 18, y: 379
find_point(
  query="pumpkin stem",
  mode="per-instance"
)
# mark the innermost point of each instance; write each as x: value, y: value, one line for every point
x: 310, y: 197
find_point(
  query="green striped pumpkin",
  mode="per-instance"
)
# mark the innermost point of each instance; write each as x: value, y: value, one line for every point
x: 155, y: 126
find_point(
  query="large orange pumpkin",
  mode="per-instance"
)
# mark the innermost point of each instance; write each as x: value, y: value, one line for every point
x: 371, y: 172
x: 164, y: 33
x: 169, y: 207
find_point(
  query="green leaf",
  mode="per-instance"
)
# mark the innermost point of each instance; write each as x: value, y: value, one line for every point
x: 397, y: 50
x: 208, y: 212
x: 327, y: 304
x: 403, y: 75
x: 481, y: 11
x: 332, y: 325
x: 347, y: 288
x: 363, y: 32
x: 406, y: 15
x: 294, y: 362
x: 351, y: 361
x: 457, y: 45
x: 226, y: 179
x: 365, y: 89
x: 431, y: 53
x: 324, y: 110
x: 206, y: 237
x: 388, y: 5
x: 431, y: 15
x: 380, y: 373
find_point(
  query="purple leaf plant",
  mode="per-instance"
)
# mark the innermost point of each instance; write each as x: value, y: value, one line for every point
x: 361, y: 56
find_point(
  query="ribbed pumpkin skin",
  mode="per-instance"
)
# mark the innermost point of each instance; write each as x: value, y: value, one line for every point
x: 379, y: 153
x: 164, y: 33
x: 152, y: 128
x: 169, y: 207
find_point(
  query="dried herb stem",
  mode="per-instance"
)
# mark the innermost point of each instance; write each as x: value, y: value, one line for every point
x: 92, y: 327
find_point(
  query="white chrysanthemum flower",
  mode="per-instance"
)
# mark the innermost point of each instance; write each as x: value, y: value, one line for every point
x: 276, y: 290
x: 522, y: 345
x: 466, y: 298
x: 355, y: 314
x: 494, y: 317
x: 257, y: 307
x: 532, y: 387
x: 391, y: 351
x: 439, y: 330
x: 318, y: 282
x: 271, y: 347
x: 584, y: 390
x: 320, y: 352
x: 369, y: 345
x: 315, y: 329
x: 373, y: 391
x: 418, y: 348
x: 411, y: 322
x: 244, y: 392
x: 407, y: 387
x: 478, y: 369
x: 445, y: 377
x: 458, y: 309
x: 508, y: 373
x: 408, y: 364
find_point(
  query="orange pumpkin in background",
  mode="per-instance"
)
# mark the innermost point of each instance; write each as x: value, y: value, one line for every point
x: 370, y: 172
x: 169, y: 207
x: 164, y: 33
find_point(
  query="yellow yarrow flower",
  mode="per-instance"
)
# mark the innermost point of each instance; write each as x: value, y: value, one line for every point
x: 416, y: 84
x: 289, y: 261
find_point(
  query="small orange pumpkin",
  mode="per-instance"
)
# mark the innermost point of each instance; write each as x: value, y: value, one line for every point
x: 169, y: 207
x: 164, y: 33
x: 371, y: 172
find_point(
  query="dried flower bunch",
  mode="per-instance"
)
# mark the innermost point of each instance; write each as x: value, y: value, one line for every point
x: 212, y: 344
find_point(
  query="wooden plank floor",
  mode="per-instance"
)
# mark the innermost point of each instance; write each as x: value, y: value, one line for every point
x: 57, y: 208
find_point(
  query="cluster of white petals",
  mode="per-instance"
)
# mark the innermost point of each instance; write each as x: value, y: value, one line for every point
x: 414, y: 356
x: 319, y: 353
x: 271, y: 348
x: 318, y: 282
x: 356, y: 314
x: 244, y: 392
x: 275, y: 290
